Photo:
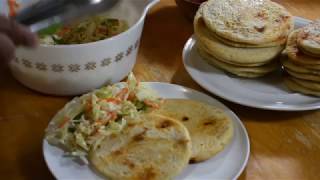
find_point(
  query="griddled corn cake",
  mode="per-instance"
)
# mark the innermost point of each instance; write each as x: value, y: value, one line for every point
x: 210, y: 128
x: 242, y: 37
x: 292, y: 66
x: 302, y: 63
x: 248, y: 21
x: 296, y: 54
x: 294, y: 86
x: 242, y: 71
x: 308, y: 39
x: 156, y: 148
x: 238, y: 56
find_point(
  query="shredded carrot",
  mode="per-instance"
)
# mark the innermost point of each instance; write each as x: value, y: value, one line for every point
x: 63, y: 31
x: 99, y: 121
x: 122, y: 94
x: 102, y: 30
x: 113, y: 115
x: 95, y: 132
x: 88, y: 106
x: 131, y: 96
x: 13, y: 6
x: 113, y: 100
x: 151, y: 104
x: 64, y: 122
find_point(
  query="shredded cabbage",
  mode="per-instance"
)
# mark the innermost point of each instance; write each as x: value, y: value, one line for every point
x: 84, y: 122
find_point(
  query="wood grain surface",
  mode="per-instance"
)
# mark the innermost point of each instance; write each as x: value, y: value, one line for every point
x: 283, y: 145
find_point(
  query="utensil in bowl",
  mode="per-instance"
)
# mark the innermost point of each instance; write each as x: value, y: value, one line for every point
x: 79, y: 68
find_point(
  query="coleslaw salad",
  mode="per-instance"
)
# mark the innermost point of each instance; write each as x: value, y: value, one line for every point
x: 85, y: 121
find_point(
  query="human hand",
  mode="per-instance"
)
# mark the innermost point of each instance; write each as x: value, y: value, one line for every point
x: 13, y: 34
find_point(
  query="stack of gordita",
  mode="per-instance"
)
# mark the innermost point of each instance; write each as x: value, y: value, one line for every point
x: 242, y: 37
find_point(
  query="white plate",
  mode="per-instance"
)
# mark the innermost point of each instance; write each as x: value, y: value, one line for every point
x: 228, y: 164
x: 266, y: 93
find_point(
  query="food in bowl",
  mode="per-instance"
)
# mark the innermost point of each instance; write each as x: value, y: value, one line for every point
x: 89, y: 30
x: 73, y: 69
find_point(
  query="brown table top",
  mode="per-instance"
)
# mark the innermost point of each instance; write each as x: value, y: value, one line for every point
x: 284, y: 145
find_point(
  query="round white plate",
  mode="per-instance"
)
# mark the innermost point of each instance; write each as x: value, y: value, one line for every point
x: 227, y: 164
x: 266, y: 93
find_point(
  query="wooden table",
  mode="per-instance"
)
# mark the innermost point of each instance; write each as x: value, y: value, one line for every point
x: 283, y: 145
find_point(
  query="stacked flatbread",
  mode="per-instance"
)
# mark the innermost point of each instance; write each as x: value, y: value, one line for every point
x: 242, y: 37
x: 303, y: 62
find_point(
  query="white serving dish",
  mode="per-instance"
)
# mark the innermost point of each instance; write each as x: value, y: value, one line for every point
x: 268, y: 92
x: 76, y: 69
x: 226, y: 165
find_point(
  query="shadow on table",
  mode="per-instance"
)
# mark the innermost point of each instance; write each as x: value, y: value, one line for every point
x: 259, y: 115
x: 32, y: 165
x: 25, y: 123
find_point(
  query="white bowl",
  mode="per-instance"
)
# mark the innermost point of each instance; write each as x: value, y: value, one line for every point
x: 76, y: 69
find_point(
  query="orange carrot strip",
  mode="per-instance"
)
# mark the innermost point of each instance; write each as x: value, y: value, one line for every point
x: 99, y: 121
x: 63, y: 31
x: 113, y: 116
x: 131, y: 96
x: 122, y: 93
x: 64, y: 122
x: 151, y: 104
x: 113, y: 100
x: 95, y: 132
x: 102, y: 30
x: 88, y: 106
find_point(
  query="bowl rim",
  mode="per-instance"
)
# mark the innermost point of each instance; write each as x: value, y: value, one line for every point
x: 113, y: 38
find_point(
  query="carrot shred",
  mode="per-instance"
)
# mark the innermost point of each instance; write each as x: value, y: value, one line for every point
x: 113, y: 115
x: 63, y: 31
x: 131, y: 96
x: 95, y: 132
x: 88, y: 106
x: 99, y: 121
x: 102, y: 30
x: 122, y: 93
x: 64, y: 122
x: 151, y: 104
x: 113, y: 100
